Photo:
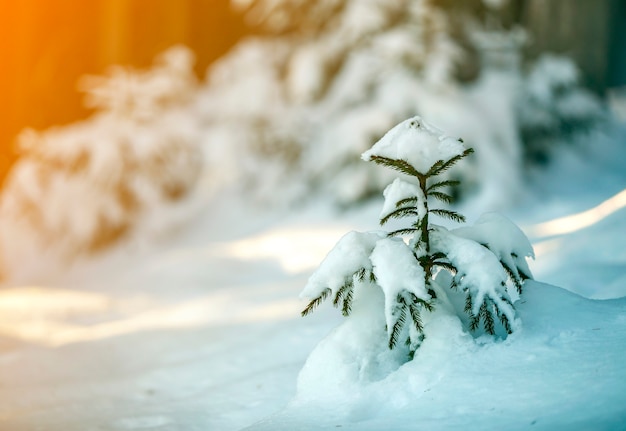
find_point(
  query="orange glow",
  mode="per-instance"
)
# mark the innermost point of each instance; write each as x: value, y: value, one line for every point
x: 47, y: 46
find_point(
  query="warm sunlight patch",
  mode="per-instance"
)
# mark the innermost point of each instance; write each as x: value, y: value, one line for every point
x: 581, y: 220
x: 54, y: 317
x: 296, y: 250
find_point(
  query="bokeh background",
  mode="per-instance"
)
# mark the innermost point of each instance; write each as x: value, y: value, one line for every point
x: 174, y: 171
x: 117, y: 110
x: 47, y: 46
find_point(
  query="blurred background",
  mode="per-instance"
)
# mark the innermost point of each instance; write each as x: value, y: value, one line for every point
x: 125, y: 106
x: 48, y: 46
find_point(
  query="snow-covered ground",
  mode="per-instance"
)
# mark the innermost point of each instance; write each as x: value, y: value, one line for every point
x: 203, y: 331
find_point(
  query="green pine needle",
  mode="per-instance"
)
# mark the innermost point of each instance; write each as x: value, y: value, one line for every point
x: 442, y: 184
x: 340, y: 293
x: 399, y: 165
x: 416, y: 318
x: 434, y: 168
x: 441, y: 166
x: 399, y: 213
x: 487, y: 315
x: 397, y: 327
x: 360, y: 274
x: 504, y: 321
x: 443, y: 197
x: 449, y: 214
x: 405, y: 201
x: 513, y: 276
x: 401, y: 232
x: 347, y: 302
x: 316, y: 302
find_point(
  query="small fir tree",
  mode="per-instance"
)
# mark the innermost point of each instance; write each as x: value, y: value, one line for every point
x: 485, y: 264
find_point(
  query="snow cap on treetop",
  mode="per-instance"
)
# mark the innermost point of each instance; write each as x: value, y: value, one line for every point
x: 417, y: 142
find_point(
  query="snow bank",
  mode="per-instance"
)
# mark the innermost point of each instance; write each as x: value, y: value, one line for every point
x: 536, y: 379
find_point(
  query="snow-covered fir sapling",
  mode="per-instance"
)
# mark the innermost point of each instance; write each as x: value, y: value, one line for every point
x: 425, y: 266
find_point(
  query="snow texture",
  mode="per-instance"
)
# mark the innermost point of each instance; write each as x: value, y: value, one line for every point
x: 538, y: 367
x: 350, y: 254
x: 417, y: 142
x: 399, y: 275
x: 400, y: 190
x: 203, y: 332
x: 503, y: 238
x: 479, y: 270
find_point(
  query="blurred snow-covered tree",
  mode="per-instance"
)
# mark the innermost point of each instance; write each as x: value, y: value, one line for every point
x: 285, y: 114
x: 353, y: 67
x: 78, y: 189
x: 554, y: 108
x: 323, y: 80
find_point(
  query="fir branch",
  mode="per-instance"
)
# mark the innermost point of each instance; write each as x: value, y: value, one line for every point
x: 513, y: 276
x: 347, y: 301
x: 504, y: 321
x: 406, y: 231
x: 507, y: 301
x: 411, y: 200
x: 486, y: 314
x: 316, y: 302
x: 399, y: 213
x: 453, y: 284
x: 443, y: 197
x: 416, y: 318
x: 432, y: 294
x: 458, y: 278
x: 414, y: 299
x: 439, y: 168
x: 428, y: 305
x: 419, y: 224
x: 437, y: 165
x: 441, y: 184
x: 397, y: 327
x: 360, y: 274
x: 397, y: 164
x: 474, y: 321
x: 372, y: 277
x: 438, y: 255
x: 449, y: 214
x: 340, y: 293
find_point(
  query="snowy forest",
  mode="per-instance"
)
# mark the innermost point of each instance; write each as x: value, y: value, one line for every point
x: 208, y: 251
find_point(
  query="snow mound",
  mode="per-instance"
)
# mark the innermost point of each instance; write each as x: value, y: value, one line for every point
x: 455, y: 380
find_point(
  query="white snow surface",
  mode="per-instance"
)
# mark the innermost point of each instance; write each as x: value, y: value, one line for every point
x: 481, y: 270
x: 202, y: 331
x: 417, y: 142
x: 349, y: 255
x: 396, y: 272
x: 505, y: 239
x: 399, y: 190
